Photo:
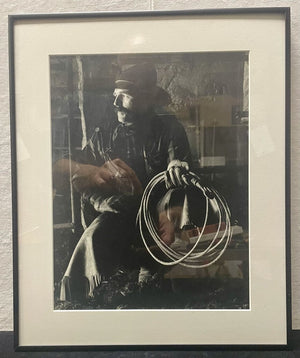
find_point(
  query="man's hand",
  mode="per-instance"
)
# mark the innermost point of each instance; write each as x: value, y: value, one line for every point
x: 176, y: 174
x: 113, y: 176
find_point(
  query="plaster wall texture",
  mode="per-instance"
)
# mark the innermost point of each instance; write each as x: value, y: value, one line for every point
x: 60, y: 6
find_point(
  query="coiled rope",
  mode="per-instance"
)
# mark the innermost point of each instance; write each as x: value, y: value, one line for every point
x: 195, y: 257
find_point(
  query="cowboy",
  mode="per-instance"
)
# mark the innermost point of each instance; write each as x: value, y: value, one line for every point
x: 122, y: 156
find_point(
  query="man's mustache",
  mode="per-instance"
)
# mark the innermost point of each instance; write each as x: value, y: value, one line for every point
x: 121, y: 109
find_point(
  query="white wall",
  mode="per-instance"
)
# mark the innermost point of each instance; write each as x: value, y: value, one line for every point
x: 58, y: 6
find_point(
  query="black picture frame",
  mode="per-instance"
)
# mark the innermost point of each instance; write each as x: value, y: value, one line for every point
x: 21, y: 343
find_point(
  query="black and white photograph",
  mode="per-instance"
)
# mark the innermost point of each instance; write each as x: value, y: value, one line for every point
x: 150, y: 180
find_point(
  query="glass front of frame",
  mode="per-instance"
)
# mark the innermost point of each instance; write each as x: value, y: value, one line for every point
x: 196, y: 112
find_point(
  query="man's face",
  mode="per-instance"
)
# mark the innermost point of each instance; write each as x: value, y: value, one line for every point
x: 130, y: 105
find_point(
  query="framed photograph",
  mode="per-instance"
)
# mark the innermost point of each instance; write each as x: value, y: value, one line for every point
x: 150, y: 155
